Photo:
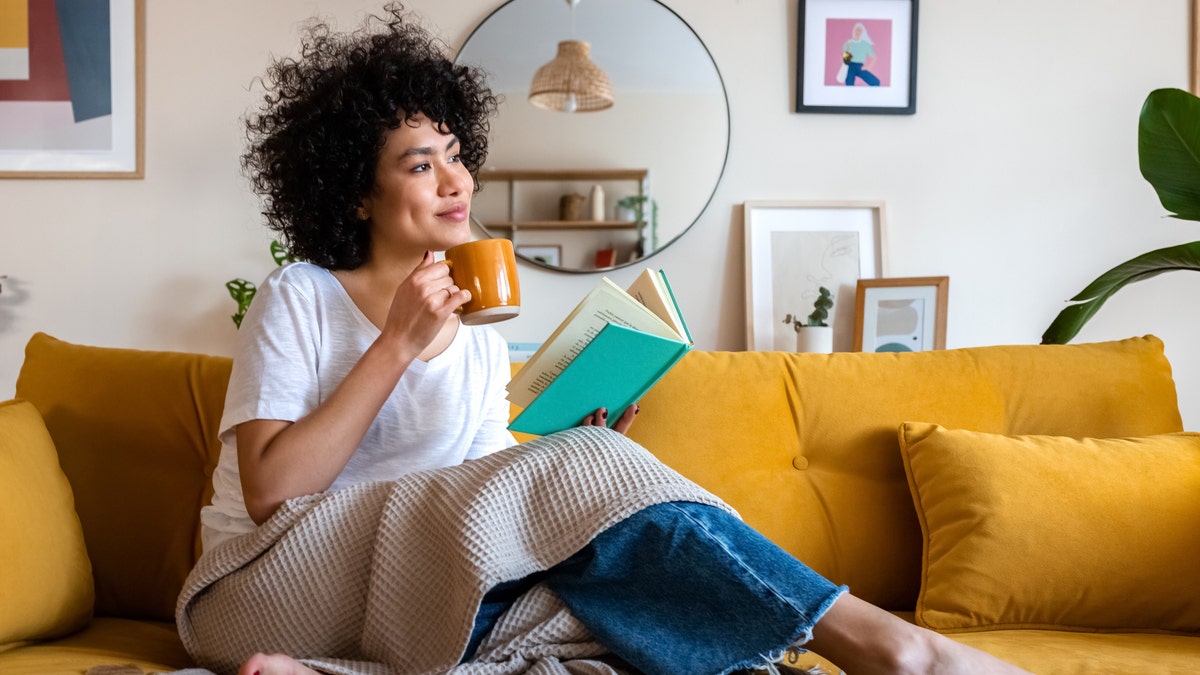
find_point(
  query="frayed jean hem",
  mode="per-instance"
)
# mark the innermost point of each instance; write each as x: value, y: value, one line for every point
x: 801, y: 637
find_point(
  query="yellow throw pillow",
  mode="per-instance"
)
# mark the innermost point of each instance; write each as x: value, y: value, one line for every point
x: 45, y: 577
x: 1055, y: 532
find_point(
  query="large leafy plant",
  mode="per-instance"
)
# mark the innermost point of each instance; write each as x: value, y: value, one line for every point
x: 1169, y: 158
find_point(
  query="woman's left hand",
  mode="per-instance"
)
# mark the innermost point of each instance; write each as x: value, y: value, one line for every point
x: 600, y: 419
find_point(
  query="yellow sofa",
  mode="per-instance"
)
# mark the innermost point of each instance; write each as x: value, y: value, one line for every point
x: 1038, y: 502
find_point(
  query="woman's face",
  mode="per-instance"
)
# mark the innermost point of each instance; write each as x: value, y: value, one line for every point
x: 422, y: 194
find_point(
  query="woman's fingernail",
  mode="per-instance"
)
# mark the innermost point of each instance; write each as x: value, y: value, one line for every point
x: 603, y: 413
x: 637, y: 409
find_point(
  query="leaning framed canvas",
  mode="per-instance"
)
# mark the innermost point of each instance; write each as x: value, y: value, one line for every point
x: 793, y: 248
x: 71, y: 89
x: 857, y: 56
x: 901, y: 315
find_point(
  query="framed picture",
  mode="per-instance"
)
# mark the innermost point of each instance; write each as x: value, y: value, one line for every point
x: 857, y: 56
x: 71, y: 89
x: 901, y: 315
x: 792, y: 250
x: 1194, y: 47
x: 545, y: 254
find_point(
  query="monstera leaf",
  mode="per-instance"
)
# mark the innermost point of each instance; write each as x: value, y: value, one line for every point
x: 1169, y: 158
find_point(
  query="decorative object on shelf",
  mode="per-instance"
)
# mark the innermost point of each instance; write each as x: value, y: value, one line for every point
x: 570, y: 206
x: 597, y: 202
x: 901, y: 314
x: 242, y: 291
x: 633, y: 207
x: 814, y: 335
x: 83, y: 118
x: 605, y: 258
x: 795, y: 247
x: 1168, y: 145
x: 542, y: 254
x: 859, y: 60
x: 570, y: 82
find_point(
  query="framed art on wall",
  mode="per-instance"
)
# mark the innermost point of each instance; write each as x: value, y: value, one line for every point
x: 857, y: 56
x: 72, y: 89
x: 795, y: 247
x: 901, y: 315
x: 546, y: 254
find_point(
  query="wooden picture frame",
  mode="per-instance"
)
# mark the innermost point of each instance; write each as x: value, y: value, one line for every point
x: 72, y: 102
x: 904, y: 314
x: 857, y: 56
x: 1194, y: 47
x: 795, y: 247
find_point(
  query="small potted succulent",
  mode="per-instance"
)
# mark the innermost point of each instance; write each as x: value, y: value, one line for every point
x: 814, y: 334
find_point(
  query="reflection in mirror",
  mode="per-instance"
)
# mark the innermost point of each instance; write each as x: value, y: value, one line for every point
x: 608, y: 187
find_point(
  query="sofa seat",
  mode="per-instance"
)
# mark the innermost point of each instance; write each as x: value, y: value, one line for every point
x: 1053, y: 652
x: 150, y: 645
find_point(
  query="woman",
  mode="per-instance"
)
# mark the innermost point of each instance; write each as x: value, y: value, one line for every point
x: 860, y: 51
x: 353, y: 369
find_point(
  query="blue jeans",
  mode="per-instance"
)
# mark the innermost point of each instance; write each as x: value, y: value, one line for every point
x: 855, y: 71
x: 681, y: 588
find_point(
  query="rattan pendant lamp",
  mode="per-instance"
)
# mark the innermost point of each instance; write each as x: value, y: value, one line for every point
x: 571, y: 82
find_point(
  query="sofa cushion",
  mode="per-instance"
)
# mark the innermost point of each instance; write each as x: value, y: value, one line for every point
x: 1056, y: 532
x: 45, y: 577
x: 136, y: 437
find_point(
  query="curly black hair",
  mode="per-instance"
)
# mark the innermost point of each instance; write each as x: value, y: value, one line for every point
x: 314, y: 145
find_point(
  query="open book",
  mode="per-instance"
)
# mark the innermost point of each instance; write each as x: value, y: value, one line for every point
x: 607, y: 353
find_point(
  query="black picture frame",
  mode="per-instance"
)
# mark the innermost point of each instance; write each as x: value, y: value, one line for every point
x: 815, y: 93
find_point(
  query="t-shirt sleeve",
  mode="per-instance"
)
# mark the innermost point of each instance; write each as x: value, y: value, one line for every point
x: 275, y: 365
x: 493, y: 434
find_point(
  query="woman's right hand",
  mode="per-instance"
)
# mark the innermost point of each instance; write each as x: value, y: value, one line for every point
x: 422, y: 304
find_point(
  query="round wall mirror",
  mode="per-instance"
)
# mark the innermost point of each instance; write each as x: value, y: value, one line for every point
x: 586, y: 191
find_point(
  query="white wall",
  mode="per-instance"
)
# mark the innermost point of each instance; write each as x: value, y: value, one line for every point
x: 1017, y: 177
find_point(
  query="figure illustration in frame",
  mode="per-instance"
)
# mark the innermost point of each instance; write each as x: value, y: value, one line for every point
x: 864, y: 57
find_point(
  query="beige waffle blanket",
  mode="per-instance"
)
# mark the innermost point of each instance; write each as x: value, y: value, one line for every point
x: 387, y: 577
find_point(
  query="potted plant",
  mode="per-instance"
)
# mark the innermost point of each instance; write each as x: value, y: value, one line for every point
x: 814, y: 334
x: 1169, y: 158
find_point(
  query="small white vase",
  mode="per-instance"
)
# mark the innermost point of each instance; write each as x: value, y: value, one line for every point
x: 815, y: 339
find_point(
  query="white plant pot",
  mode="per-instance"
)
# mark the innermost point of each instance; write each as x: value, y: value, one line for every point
x: 815, y: 339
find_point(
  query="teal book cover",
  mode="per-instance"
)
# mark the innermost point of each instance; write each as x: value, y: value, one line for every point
x: 613, y: 371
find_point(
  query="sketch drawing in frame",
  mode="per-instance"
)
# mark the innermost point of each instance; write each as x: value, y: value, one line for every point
x: 905, y: 314
x: 795, y: 247
x: 72, y: 89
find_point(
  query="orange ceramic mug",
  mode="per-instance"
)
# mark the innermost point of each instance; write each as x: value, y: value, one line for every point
x: 487, y: 268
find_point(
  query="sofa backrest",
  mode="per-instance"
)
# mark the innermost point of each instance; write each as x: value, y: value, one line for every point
x: 805, y: 446
x: 136, y: 436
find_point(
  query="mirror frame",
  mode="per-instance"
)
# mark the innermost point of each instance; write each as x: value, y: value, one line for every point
x: 707, y: 201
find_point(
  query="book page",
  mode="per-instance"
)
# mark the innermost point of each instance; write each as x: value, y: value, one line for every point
x: 607, y: 303
x: 648, y: 290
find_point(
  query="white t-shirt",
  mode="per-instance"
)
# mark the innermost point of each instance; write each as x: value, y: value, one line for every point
x: 300, y: 338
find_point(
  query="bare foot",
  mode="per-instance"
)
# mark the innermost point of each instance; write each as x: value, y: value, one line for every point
x: 865, y: 640
x: 274, y: 664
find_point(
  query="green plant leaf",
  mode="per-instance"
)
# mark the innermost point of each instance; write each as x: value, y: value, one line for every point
x: 280, y: 254
x: 1069, y: 321
x: 1169, y: 149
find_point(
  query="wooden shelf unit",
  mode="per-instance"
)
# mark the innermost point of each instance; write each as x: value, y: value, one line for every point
x: 516, y: 176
